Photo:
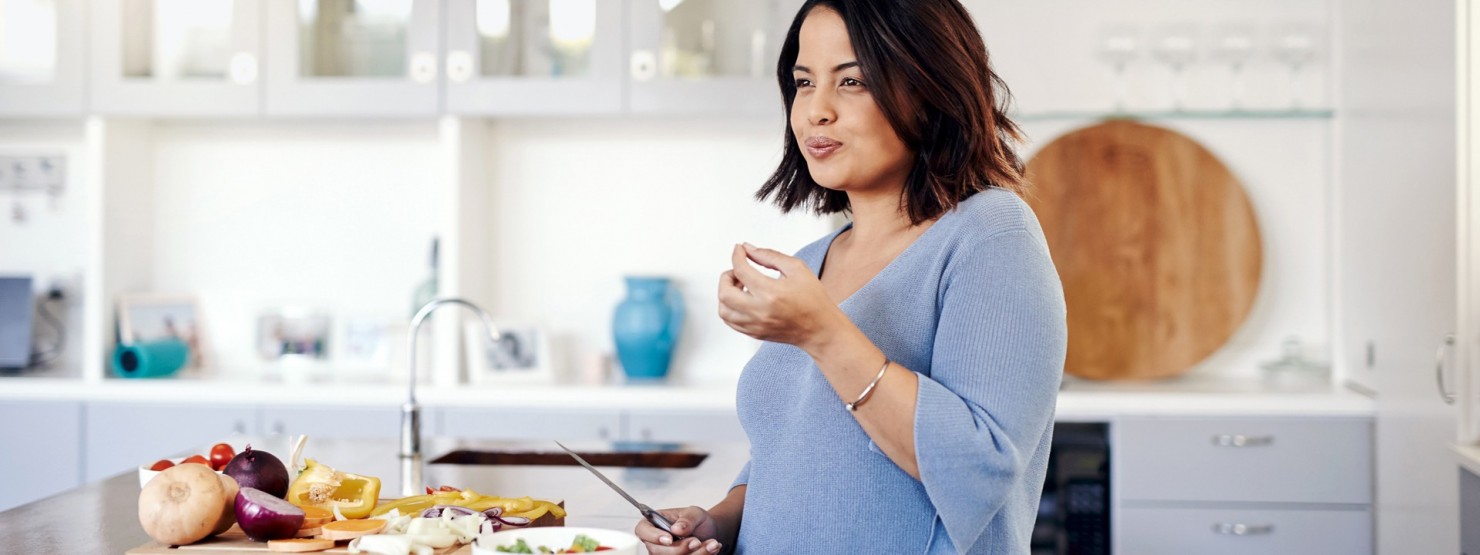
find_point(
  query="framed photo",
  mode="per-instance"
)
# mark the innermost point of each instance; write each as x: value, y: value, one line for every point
x: 293, y: 335
x: 152, y: 317
x: 366, y: 344
x: 521, y: 355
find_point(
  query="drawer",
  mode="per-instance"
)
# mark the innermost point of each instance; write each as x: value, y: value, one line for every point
x: 1244, y: 459
x: 1179, y: 531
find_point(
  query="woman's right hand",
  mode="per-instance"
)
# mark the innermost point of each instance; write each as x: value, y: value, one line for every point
x: 694, y: 533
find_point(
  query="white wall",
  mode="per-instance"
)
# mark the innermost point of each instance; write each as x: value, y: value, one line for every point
x: 258, y: 217
x: 575, y: 205
x: 1047, y: 51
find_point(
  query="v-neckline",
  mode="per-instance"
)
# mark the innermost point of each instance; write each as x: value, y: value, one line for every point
x: 822, y: 262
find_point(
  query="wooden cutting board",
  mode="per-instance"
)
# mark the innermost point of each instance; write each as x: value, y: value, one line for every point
x: 236, y: 542
x: 1155, y: 242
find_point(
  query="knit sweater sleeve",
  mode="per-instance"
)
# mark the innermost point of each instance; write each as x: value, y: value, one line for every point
x: 995, y: 370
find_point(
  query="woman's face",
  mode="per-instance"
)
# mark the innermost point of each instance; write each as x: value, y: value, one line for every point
x: 848, y: 143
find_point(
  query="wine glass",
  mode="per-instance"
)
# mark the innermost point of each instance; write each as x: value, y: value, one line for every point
x: 1119, y: 45
x: 1296, y: 45
x: 1176, y: 46
x: 1233, y: 44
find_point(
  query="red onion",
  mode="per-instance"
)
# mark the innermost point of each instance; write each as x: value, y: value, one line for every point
x: 266, y: 517
x: 260, y: 470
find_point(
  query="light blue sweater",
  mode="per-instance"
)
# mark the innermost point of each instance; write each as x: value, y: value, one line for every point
x: 975, y: 308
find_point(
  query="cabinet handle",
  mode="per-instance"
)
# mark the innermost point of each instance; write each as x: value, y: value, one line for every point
x: 1240, y: 529
x: 603, y: 433
x: 1439, y: 360
x: 1240, y: 440
x: 240, y: 428
x: 423, y: 67
x: 459, y: 66
x: 277, y: 428
x: 644, y: 65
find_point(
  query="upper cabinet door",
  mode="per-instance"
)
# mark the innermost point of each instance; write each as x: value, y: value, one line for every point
x: 534, y: 57
x: 41, y: 57
x: 352, y: 57
x: 191, y: 58
x: 707, y: 56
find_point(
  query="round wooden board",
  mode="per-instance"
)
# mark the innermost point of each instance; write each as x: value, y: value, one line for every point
x: 1155, y: 242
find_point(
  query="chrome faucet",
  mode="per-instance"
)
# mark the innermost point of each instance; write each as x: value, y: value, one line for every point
x: 411, y: 463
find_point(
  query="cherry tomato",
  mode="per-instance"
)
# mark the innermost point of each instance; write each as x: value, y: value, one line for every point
x: 221, y: 454
x: 161, y: 465
x: 196, y: 459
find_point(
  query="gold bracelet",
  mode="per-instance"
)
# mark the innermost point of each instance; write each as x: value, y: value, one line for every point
x: 868, y: 391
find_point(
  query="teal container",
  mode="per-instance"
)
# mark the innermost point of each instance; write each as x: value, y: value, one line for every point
x: 646, y: 327
x: 150, y: 359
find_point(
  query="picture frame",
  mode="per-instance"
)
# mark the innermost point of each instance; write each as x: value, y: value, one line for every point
x: 367, y: 345
x: 144, y: 317
x: 522, y: 355
x: 294, y: 335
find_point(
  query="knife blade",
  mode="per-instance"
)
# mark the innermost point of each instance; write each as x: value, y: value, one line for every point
x: 647, y: 512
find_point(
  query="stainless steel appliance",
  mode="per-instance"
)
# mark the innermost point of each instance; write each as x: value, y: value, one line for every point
x: 16, y: 308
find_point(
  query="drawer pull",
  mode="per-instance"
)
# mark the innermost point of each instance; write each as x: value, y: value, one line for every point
x: 1229, y: 529
x: 1240, y: 440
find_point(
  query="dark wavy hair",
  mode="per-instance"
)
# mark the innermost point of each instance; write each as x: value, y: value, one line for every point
x: 927, y: 68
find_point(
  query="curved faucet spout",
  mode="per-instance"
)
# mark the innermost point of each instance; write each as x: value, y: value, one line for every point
x: 411, y: 461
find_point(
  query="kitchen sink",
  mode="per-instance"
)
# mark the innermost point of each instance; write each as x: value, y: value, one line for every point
x: 624, y: 459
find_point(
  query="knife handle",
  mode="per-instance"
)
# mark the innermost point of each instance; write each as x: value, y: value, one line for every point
x: 657, y: 519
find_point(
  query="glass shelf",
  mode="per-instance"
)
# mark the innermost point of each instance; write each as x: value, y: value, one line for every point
x: 1322, y: 114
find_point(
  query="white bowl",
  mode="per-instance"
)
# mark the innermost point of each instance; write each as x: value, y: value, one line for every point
x: 556, y: 537
x: 145, y: 474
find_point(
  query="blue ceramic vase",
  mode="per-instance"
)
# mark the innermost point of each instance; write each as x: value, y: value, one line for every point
x: 646, y: 326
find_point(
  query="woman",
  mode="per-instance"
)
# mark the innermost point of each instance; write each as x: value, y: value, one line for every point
x: 902, y: 400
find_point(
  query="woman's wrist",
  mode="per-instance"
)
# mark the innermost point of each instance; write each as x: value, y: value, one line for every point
x: 831, y: 332
x: 726, y: 516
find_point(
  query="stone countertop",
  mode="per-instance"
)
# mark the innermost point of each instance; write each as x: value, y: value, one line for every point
x: 1079, y: 400
x: 102, y: 517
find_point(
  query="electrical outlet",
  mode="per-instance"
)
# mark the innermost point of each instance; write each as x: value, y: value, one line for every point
x: 45, y: 173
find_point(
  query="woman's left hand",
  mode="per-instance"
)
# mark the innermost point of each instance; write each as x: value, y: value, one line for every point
x: 794, y: 309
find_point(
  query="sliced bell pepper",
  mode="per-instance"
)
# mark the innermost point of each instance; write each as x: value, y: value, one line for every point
x: 323, y: 487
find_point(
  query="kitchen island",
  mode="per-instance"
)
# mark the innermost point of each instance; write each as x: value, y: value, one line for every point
x: 102, y: 517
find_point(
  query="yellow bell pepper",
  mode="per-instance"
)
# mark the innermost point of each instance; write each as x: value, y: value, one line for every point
x: 323, y: 487
x: 415, y: 504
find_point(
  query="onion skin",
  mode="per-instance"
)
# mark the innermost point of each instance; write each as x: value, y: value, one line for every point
x: 265, y: 517
x: 183, y: 504
x: 260, y: 470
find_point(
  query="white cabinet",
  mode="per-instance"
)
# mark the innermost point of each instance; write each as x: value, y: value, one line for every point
x: 533, y: 57
x: 706, y: 56
x: 188, y: 58
x: 43, y: 453
x: 332, y: 422
x: 1233, y: 531
x: 344, y: 58
x: 1242, y: 485
x: 527, y: 424
x: 42, y: 57
x: 121, y: 436
x: 684, y: 426
x: 1396, y: 263
x: 1245, y: 460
